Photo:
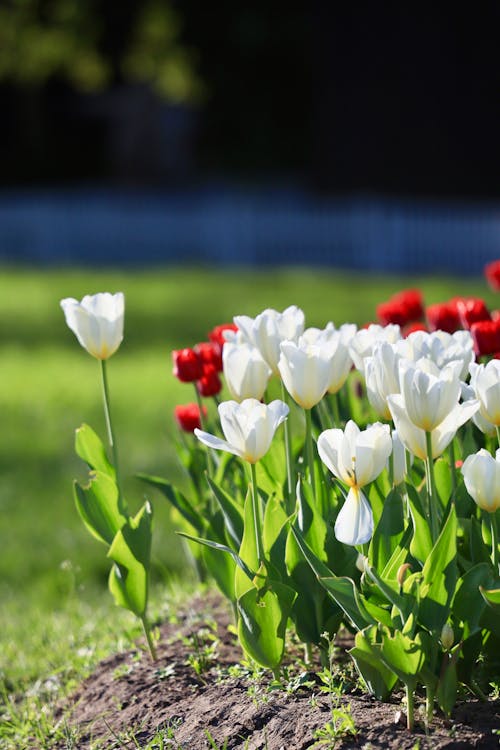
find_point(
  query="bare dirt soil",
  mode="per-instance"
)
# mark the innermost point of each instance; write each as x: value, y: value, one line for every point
x: 128, y: 699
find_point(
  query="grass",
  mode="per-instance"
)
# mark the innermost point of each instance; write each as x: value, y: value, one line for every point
x: 52, y: 573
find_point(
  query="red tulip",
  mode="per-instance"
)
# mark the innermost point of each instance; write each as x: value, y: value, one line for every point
x: 492, y: 273
x: 187, y: 416
x: 188, y: 367
x: 209, y: 384
x: 217, y: 334
x: 210, y: 354
x: 471, y: 310
x: 412, y: 327
x: 443, y: 317
x: 486, y: 335
x: 403, y: 308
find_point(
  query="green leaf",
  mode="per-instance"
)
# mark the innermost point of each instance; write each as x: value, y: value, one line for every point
x: 442, y: 476
x: 439, y: 577
x: 468, y: 603
x: 491, y: 597
x: 221, y: 568
x: 274, y: 535
x: 405, y: 656
x: 263, y: 616
x: 380, y: 680
x: 421, y: 543
x: 249, y: 574
x: 91, y: 450
x: 388, y: 532
x: 99, y: 507
x: 176, y: 499
x: 447, y: 688
x: 345, y: 593
x: 232, y: 512
x: 247, y: 551
x: 272, y: 474
x: 130, y: 551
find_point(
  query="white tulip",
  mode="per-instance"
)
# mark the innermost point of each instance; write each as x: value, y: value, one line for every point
x: 481, y: 423
x: 246, y: 373
x: 440, y: 347
x: 306, y: 370
x: 269, y: 329
x: 248, y: 427
x: 482, y: 479
x: 356, y: 458
x: 382, y: 376
x: 339, y: 340
x: 413, y: 437
x: 97, y: 322
x: 429, y: 394
x: 365, y: 339
x: 485, y: 380
x: 398, y: 458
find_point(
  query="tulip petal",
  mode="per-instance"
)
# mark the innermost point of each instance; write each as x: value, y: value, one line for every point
x: 214, y: 442
x: 354, y: 524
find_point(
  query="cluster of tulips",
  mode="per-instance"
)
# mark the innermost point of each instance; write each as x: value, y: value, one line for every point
x: 353, y: 478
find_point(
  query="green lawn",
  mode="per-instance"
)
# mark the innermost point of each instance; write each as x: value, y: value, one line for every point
x: 51, y: 570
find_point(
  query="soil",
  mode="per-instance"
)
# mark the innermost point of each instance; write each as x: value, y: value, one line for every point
x: 128, y: 699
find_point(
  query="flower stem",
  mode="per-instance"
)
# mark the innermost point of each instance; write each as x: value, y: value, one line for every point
x: 409, y: 708
x: 309, y: 450
x: 256, y: 514
x: 334, y: 401
x: 288, y: 454
x: 498, y: 434
x: 453, y: 470
x: 149, y: 639
x: 109, y: 423
x: 431, y: 487
x: 202, y: 423
x: 429, y: 704
x: 494, y: 541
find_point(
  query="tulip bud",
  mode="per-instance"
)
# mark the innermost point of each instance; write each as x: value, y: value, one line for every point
x: 447, y: 636
x: 188, y: 367
x: 401, y: 574
x: 187, y: 416
x: 209, y: 384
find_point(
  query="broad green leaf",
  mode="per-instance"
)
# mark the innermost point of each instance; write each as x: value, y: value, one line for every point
x: 399, y: 556
x: 249, y: 574
x: 442, y: 476
x: 380, y: 680
x: 447, y: 688
x: 309, y: 522
x: 468, y: 603
x: 390, y: 590
x: 388, y: 532
x: 221, y: 568
x: 99, y: 507
x: 89, y: 447
x: 272, y: 474
x: 478, y: 550
x: 403, y: 655
x: 491, y: 597
x: 263, y: 615
x: 232, y: 512
x: 130, y: 551
x: 247, y: 551
x: 176, y: 499
x: 274, y: 535
x: 421, y: 543
x: 345, y: 593
x: 440, y: 576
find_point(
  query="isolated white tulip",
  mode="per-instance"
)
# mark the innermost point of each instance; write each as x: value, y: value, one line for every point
x: 269, y: 329
x: 356, y: 458
x: 246, y: 373
x: 482, y: 479
x: 306, y: 370
x: 365, y: 339
x: 485, y: 380
x: 429, y: 394
x: 382, y: 376
x: 248, y: 427
x: 97, y: 322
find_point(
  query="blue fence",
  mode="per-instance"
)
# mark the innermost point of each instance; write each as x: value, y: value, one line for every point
x: 231, y: 226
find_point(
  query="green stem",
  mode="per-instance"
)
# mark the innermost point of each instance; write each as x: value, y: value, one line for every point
x: 391, y: 469
x: 453, y: 470
x: 288, y: 454
x: 498, y: 434
x: 256, y: 515
x: 309, y: 450
x: 429, y: 704
x: 202, y: 423
x: 431, y: 488
x: 334, y: 401
x: 494, y: 541
x: 109, y: 423
x: 147, y: 633
x: 308, y: 654
x: 409, y: 708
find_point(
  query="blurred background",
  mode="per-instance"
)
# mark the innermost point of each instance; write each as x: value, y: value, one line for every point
x: 356, y: 136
